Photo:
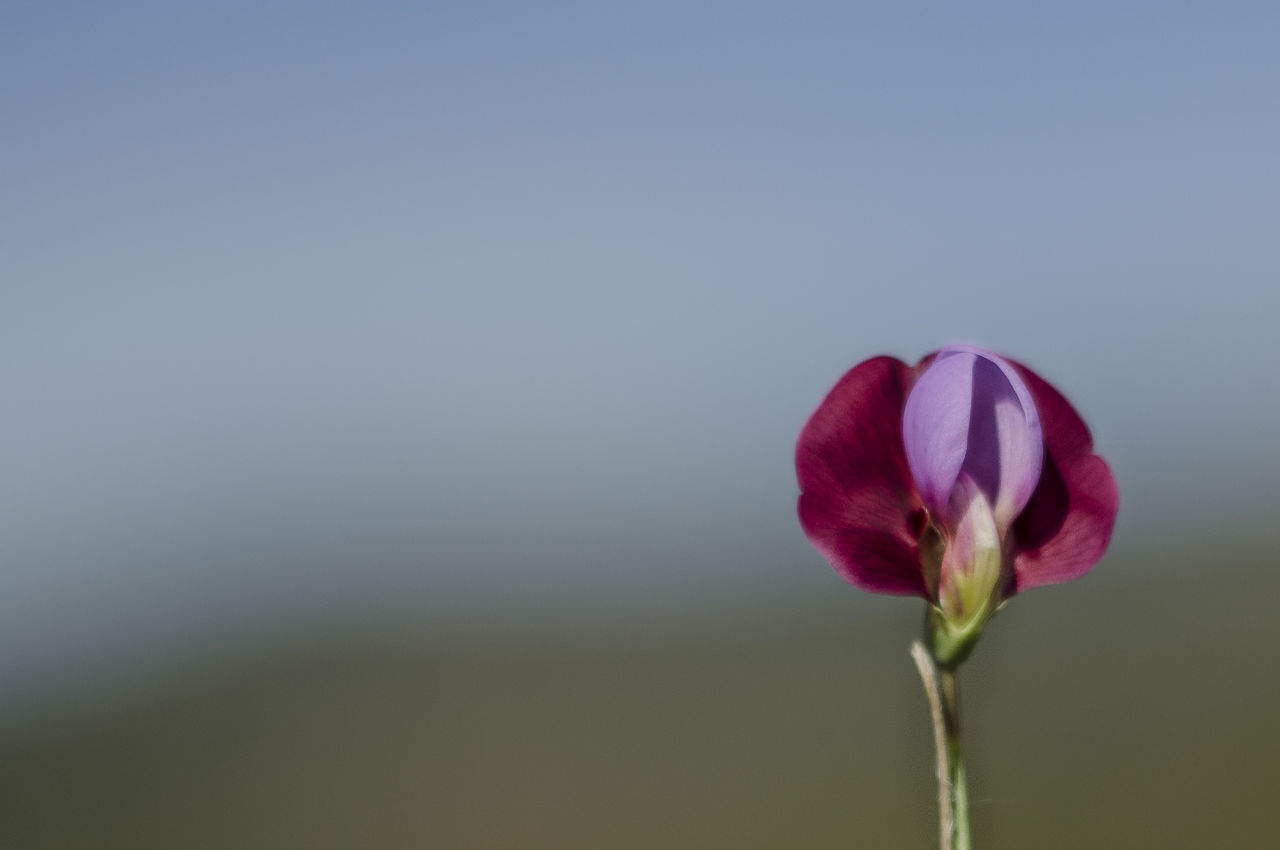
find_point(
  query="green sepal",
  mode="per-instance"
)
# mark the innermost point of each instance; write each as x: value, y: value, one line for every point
x: 951, y: 643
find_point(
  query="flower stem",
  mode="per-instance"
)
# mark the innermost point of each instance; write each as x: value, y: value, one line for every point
x: 944, y: 706
x: 955, y: 752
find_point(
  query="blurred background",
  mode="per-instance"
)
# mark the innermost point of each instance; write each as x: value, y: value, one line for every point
x: 399, y: 404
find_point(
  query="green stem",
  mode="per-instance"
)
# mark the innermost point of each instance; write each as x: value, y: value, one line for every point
x: 944, y: 706
x: 955, y: 756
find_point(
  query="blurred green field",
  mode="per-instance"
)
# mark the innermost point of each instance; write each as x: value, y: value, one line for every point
x: 1137, y: 708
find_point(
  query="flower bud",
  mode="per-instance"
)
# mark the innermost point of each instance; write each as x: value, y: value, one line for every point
x: 971, y: 575
x: 972, y: 564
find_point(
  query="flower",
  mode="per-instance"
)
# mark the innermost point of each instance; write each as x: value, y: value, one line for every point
x: 964, y: 480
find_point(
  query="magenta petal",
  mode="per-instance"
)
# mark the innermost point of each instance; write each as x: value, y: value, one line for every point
x: 1067, y: 523
x: 858, y: 504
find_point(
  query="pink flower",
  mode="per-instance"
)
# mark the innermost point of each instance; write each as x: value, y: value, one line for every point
x: 964, y: 480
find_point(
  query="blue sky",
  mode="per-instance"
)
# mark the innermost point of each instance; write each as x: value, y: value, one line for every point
x: 308, y: 308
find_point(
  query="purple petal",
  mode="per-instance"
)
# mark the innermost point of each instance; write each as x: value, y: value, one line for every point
x: 1006, y: 446
x: 857, y: 504
x: 935, y: 427
x: 971, y: 413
